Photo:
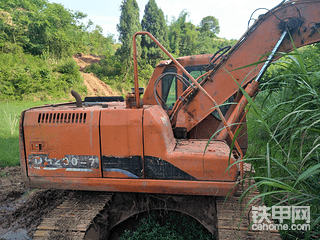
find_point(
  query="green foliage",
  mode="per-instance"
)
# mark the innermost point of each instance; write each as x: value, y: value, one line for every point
x: 284, y: 146
x: 128, y: 26
x: 175, y: 227
x: 110, y: 69
x: 153, y: 22
x: 40, y: 27
x: 98, y: 44
x: 208, y: 45
x: 109, y: 66
x: 182, y: 36
x: 183, y: 39
x: 23, y: 76
x: 37, y: 40
x: 31, y: 28
x: 210, y: 26
x: 187, y: 39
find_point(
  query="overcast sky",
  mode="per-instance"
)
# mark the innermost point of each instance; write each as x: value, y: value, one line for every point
x: 233, y: 15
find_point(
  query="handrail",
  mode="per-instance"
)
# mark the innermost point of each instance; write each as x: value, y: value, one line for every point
x: 135, y: 63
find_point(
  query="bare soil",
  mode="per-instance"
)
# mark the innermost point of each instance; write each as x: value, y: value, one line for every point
x: 94, y: 85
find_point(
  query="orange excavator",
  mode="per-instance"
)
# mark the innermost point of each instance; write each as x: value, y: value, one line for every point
x: 159, y: 143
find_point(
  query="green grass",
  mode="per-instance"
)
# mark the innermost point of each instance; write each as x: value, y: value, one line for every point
x: 9, y: 130
x: 284, y: 142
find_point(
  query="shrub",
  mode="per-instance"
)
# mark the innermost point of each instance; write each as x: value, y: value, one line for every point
x: 173, y: 226
x: 23, y: 76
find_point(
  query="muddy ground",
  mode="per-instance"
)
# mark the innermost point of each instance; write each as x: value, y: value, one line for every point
x: 22, y: 208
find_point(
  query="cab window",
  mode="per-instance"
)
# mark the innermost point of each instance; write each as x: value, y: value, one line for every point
x: 169, y: 88
x: 195, y: 72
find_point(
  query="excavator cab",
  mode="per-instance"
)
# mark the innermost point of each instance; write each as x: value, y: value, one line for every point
x: 170, y: 88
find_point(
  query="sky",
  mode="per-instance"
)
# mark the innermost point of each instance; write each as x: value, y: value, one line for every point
x: 233, y: 15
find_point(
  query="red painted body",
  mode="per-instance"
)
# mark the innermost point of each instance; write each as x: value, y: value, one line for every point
x: 121, y: 133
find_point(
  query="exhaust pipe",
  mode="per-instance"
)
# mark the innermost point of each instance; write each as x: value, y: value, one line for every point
x: 77, y: 97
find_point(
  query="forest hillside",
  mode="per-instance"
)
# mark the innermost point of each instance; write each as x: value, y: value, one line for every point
x: 38, y: 40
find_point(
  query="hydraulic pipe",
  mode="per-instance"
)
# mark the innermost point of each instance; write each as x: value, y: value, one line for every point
x: 275, y: 49
x: 251, y: 90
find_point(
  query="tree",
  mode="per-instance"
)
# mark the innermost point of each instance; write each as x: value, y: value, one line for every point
x: 182, y: 36
x: 208, y: 42
x: 98, y: 44
x: 153, y: 21
x: 41, y: 27
x: 128, y: 26
x: 209, y: 25
x: 53, y: 29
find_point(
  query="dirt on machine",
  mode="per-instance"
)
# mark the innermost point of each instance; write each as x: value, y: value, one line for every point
x: 151, y: 149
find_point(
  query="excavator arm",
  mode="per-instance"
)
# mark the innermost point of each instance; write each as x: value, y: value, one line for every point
x: 293, y: 22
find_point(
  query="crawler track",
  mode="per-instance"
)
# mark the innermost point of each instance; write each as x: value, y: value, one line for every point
x: 233, y: 221
x: 73, y: 217
x: 81, y: 216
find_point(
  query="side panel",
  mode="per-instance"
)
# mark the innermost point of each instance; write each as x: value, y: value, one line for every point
x: 170, y: 159
x: 121, y: 143
x: 62, y: 142
x: 157, y: 129
x: 162, y: 160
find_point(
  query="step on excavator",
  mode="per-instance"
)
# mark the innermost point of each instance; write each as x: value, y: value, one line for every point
x: 153, y: 146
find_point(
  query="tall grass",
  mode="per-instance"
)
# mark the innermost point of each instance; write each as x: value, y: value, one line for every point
x: 9, y: 130
x: 284, y: 147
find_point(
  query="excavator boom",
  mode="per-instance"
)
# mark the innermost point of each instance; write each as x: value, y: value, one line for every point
x: 302, y: 21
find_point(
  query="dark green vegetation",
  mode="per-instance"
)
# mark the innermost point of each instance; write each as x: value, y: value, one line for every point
x: 153, y: 22
x: 172, y: 225
x: 27, y: 77
x: 37, y: 41
x: 284, y: 129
